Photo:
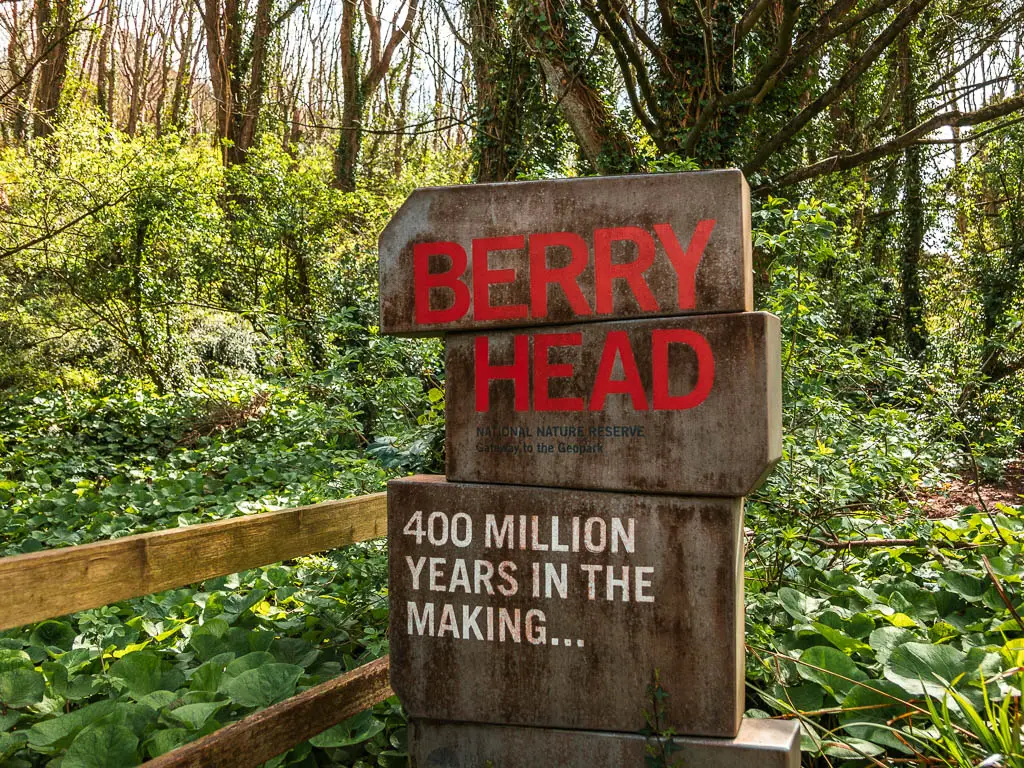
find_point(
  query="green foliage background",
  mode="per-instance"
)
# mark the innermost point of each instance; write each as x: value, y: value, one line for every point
x: 192, y: 343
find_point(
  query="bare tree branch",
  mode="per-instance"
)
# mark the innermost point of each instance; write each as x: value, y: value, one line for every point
x: 783, y: 45
x: 900, y: 143
x: 838, y: 88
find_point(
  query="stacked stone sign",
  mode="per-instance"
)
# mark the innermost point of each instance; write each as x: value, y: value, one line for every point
x: 611, y: 397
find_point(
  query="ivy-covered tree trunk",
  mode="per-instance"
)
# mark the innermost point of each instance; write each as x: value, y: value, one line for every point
x: 498, y: 138
x: 357, y: 86
x: 346, y: 155
x: 238, y: 63
x: 553, y: 34
x: 698, y: 55
x: 304, y: 299
x: 247, y: 115
x: 53, y: 43
x: 512, y: 116
x: 138, y: 74
x: 19, y: 61
x: 222, y: 46
x: 913, y: 211
x: 402, y: 116
x: 106, y: 68
x: 183, y: 77
x: 1001, y: 284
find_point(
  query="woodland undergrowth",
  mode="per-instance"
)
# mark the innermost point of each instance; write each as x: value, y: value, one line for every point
x: 892, y: 637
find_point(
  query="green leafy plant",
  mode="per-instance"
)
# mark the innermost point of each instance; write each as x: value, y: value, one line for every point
x: 992, y: 736
x: 661, y: 744
x: 133, y: 680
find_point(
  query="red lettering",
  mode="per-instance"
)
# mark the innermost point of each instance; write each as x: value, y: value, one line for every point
x: 541, y: 275
x: 605, y: 272
x: 660, y: 341
x: 484, y: 278
x: 544, y: 370
x: 518, y: 373
x: 424, y: 280
x: 616, y: 343
x: 685, y: 262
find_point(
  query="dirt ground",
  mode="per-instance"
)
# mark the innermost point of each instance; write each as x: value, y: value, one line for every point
x: 954, y: 496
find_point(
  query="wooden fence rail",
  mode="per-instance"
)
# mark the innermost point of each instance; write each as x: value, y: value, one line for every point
x: 56, y: 582
x: 276, y: 729
x: 43, y: 585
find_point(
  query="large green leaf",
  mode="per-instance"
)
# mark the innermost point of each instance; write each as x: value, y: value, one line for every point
x: 194, y: 716
x: 294, y: 650
x: 21, y: 687
x: 859, y: 625
x: 140, y: 671
x: 57, y: 733
x: 355, y: 730
x: 262, y: 686
x: 105, y: 745
x: 208, y: 640
x: 971, y: 588
x: 852, y: 749
x: 134, y: 717
x: 11, y: 743
x: 12, y: 659
x: 247, y: 662
x: 840, y: 639
x: 920, y: 668
x: 236, y: 604
x: 805, y: 697
x: 828, y: 667
x: 57, y: 634
x: 208, y: 676
x: 797, y: 604
x: 885, y: 639
x: 868, y: 710
x: 158, y: 699
x: 165, y: 740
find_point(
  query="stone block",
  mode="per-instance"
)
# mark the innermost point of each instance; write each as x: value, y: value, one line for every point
x: 566, y: 250
x: 553, y: 608
x: 759, y: 744
x: 685, y: 405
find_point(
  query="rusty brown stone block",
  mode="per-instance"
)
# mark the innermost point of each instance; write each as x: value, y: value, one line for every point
x: 553, y: 608
x: 759, y: 744
x: 686, y: 405
x: 567, y: 250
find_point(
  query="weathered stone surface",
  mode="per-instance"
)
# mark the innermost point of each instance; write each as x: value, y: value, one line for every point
x: 554, y: 252
x: 686, y: 405
x: 759, y: 744
x: 586, y: 647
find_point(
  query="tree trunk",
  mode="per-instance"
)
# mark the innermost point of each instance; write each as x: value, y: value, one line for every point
x: 696, y: 46
x: 221, y: 27
x: 353, y: 94
x: 238, y: 68
x: 164, y: 85
x: 180, y: 98
x: 563, y: 60
x: 403, y: 108
x: 350, y: 135
x: 139, y: 73
x: 247, y: 113
x: 53, y: 34
x: 19, y: 57
x: 913, y: 209
x: 105, y: 69
x: 315, y: 352
x: 357, y: 87
x: 492, y: 143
